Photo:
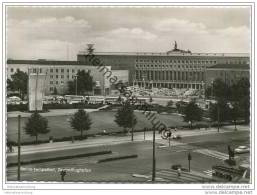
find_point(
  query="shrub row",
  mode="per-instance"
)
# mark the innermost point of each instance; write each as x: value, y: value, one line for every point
x: 60, y: 158
x: 46, y: 107
x: 71, y: 106
x: 117, y: 158
x: 20, y: 107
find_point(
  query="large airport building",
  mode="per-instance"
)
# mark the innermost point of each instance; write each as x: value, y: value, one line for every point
x: 176, y: 68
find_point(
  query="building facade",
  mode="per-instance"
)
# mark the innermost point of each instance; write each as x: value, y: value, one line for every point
x: 228, y: 73
x: 174, y: 69
x: 58, y: 73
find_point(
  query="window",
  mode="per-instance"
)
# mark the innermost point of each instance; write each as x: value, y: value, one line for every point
x: 68, y: 77
x: 56, y: 70
x: 61, y: 82
x: 73, y: 70
x: 11, y: 69
x: 51, y: 88
x: 51, y: 76
x: 34, y: 70
x: 51, y: 82
x: 57, y: 76
x: 40, y: 70
x: 68, y: 70
x: 62, y: 70
x: 56, y: 82
x: 62, y: 76
x: 51, y: 70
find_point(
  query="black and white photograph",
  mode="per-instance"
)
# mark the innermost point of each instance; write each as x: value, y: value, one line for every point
x: 128, y: 94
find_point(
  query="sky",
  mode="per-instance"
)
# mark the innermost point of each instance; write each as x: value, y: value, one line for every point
x: 59, y: 33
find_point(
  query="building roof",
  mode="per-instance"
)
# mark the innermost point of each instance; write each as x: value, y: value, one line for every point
x: 167, y: 54
x: 45, y: 62
x: 230, y: 66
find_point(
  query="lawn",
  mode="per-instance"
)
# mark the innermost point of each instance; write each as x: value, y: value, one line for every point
x: 102, y: 120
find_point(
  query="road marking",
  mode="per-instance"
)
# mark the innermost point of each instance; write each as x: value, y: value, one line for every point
x: 208, y: 172
x: 212, y: 153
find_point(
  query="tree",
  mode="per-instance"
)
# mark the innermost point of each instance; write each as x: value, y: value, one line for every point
x: 235, y: 113
x: 126, y: 118
x: 19, y: 82
x: 36, y: 125
x: 71, y: 87
x: 218, y: 89
x: 81, y: 121
x: 84, y: 82
x: 55, y: 91
x: 170, y: 103
x: 192, y: 113
x: 220, y: 111
x: 241, y: 94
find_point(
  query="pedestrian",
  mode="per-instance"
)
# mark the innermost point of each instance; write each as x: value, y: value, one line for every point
x: 179, y: 171
x: 63, y: 173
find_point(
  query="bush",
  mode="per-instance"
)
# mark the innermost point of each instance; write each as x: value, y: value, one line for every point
x: 61, y: 158
x: 71, y: 106
x: 20, y: 107
x: 117, y: 158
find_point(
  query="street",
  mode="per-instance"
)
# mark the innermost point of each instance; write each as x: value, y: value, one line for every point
x: 206, y: 149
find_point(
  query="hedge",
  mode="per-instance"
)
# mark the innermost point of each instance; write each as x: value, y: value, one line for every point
x: 46, y: 107
x: 60, y: 158
x: 117, y: 158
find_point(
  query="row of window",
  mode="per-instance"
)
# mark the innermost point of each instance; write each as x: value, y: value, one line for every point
x: 62, y: 70
x: 56, y: 82
x: 166, y: 66
x: 179, y: 61
x: 169, y: 75
x: 34, y: 70
x: 62, y: 76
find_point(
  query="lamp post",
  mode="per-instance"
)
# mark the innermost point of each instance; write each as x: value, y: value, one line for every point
x: 154, y: 160
x: 189, y: 158
x: 212, y: 88
x: 19, y: 148
x: 76, y: 77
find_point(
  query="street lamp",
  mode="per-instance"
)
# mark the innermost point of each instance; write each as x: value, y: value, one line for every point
x: 76, y: 77
x: 19, y: 148
x: 154, y: 160
x: 189, y: 158
x: 212, y: 88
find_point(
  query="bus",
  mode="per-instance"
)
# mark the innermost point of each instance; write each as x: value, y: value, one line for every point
x: 111, y: 100
x: 95, y: 99
x: 73, y: 99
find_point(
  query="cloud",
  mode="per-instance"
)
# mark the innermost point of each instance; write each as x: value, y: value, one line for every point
x: 45, y: 33
x: 132, y: 33
x: 66, y: 28
x: 198, y: 38
x: 176, y: 25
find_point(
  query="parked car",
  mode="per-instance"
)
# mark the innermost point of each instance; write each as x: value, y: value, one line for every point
x: 176, y: 137
x: 242, y: 149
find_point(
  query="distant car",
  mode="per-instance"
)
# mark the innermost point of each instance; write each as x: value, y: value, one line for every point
x: 242, y: 149
x: 176, y: 137
x: 75, y: 101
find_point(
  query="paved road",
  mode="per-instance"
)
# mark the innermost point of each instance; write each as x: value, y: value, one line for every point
x: 204, y: 156
x: 113, y: 140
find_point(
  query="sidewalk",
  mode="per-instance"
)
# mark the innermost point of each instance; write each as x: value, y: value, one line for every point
x: 113, y: 140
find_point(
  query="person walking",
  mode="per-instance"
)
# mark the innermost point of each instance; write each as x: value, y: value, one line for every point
x: 179, y: 172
